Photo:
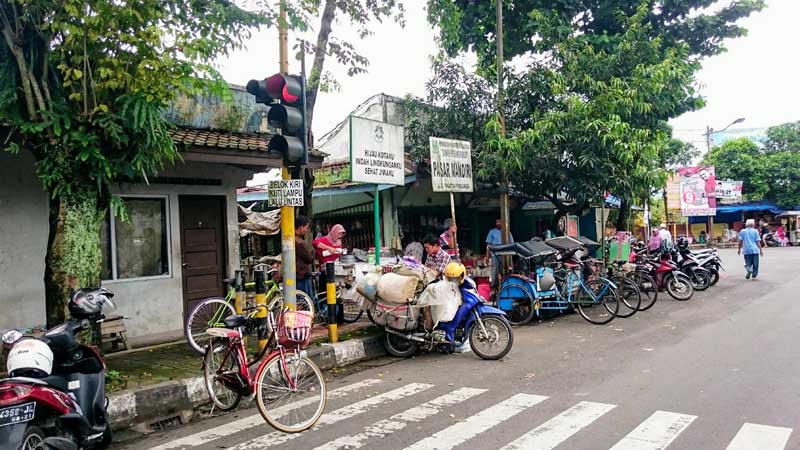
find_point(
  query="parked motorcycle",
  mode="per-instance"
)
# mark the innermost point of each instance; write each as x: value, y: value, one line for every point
x: 666, y: 274
x: 489, y: 333
x: 771, y: 241
x: 707, y: 258
x: 690, y: 265
x: 55, y: 393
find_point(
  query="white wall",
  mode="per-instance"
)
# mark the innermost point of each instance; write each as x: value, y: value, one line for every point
x: 155, y: 305
x: 23, y: 242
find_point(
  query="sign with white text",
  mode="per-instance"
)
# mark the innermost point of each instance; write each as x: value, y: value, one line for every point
x: 729, y: 191
x: 376, y: 152
x: 451, y: 165
x: 285, y: 193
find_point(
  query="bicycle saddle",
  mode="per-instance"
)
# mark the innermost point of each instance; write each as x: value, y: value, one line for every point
x: 236, y: 320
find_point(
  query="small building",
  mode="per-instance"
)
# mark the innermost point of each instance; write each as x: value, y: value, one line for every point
x: 182, y: 236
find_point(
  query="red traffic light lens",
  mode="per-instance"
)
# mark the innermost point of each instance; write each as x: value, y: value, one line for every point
x: 288, y: 96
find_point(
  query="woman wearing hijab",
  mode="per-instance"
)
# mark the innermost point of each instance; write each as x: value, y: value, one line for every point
x: 329, y: 248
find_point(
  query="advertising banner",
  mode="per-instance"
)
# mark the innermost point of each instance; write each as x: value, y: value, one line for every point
x: 729, y: 191
x: 698, y: 186
x: 376, y: 152
x: 451, y: 165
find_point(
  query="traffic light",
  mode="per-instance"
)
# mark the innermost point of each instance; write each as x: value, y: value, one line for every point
x: 285, y: 98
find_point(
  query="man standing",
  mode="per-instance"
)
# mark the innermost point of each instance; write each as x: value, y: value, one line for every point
x: 437, y: 258
x: 753, y: 248
x: 304, y: 256
x: 666, y: 238
x: 495, y: 237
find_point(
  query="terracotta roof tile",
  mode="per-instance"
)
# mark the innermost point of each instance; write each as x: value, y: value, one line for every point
x: 225, y: 140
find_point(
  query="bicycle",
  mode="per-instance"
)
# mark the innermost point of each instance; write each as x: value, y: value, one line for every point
x: 289, y: 389
x: 629, y: 290
x: 211, y: 312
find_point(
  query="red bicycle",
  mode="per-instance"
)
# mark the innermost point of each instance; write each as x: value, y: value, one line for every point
x: 289, y: 389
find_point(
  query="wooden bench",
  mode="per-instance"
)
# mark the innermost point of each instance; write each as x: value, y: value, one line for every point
x: 113, y: 331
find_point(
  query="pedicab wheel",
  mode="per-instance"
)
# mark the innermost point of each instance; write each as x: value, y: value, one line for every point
x: 523, y: 304
x: 218, y: 364
x: 290, y: 392
x: 497, y: 339
x: 598, y: 303
x: 398, y: 346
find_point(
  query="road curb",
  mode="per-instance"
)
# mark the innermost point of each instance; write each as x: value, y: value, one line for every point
x: 166, y: 401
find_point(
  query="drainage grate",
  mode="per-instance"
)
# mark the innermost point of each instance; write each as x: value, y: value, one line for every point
x: 166, y: 424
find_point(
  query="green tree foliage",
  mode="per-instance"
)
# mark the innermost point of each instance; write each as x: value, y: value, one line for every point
x: 84, y: 83
x: 770, y: 172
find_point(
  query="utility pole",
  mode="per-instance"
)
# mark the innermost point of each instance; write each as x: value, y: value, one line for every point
x: 504, y: 212
x: 287, y: 212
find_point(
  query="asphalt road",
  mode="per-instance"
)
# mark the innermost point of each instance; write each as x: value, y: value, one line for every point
x: 721, y: 371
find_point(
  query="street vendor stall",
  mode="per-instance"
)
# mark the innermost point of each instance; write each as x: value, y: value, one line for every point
x: 790, y: 220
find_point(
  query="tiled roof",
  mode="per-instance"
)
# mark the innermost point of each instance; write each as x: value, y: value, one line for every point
x: 225, y: 140
x: 221, y: 139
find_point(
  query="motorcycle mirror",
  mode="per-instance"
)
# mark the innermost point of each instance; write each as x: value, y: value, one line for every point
x: 59, y: 443
x: 11, y: 336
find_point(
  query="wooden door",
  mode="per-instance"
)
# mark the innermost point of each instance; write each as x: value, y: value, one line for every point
x: 203, y: 249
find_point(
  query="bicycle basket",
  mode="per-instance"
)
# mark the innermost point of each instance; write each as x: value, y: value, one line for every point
x: 294, y: 328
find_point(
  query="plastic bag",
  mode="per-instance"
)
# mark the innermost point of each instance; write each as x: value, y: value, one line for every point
x: 444, y: 298
x: 368, y: 286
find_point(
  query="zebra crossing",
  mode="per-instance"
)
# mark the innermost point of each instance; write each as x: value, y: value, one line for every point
x: 372, y: 401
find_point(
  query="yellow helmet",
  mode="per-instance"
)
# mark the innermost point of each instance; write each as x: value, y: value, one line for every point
x: 455, y: 270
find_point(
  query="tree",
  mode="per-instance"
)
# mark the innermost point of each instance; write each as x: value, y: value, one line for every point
x: 84, y: 86
x: 771, y: 172
x: 783, y: 138
x: 359, y: 13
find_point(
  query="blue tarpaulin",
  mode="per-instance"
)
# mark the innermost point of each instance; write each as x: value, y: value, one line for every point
x: 733, y: 212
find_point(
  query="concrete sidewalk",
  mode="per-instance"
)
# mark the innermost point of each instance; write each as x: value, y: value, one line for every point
x: 165, y: 383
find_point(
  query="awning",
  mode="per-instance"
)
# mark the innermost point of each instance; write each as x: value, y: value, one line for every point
x: 357, y: 188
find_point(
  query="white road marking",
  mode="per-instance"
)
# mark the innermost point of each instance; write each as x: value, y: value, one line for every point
x: 254, y: 420
x: 455, y: 435
x: 760, y: 437
x: 558, y: 429
x: 352, y: 410
x: 655, y: 433
x: 399, y: 421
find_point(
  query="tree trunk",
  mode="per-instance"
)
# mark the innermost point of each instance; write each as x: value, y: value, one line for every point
x: 74, y: 256
x: 312, y: 89
x: 622, y: 217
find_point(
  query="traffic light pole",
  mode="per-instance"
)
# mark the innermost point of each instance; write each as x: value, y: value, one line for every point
x: 287, y: 212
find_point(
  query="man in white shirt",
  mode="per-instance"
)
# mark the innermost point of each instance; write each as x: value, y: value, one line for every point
x: 666, y: 237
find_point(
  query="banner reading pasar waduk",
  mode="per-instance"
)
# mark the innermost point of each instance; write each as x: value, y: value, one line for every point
x: 451, y: 165
x: 698, y: 186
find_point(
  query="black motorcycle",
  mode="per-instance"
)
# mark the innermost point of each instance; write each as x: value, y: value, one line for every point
x: 68, y: 404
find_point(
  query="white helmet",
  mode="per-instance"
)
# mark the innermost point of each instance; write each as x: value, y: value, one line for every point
x: 30, y: 358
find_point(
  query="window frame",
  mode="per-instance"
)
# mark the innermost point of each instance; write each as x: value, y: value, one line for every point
x: 113, y: 239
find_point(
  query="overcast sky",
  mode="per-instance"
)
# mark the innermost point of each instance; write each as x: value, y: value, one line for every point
x: 755, y: 79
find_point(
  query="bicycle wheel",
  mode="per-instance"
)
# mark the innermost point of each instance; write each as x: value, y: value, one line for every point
x: 290, y: 392
x: 517, y: 302
x: 209, y: 313
x: 304, y: 303
x: 597, y: 301
x: 221, y: 368
x: 630, y: 296
x: 647, y: 288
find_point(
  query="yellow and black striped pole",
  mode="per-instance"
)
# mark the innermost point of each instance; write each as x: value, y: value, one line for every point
x: 238, y: 303
x: 261, y: 303
x: 330, y: 300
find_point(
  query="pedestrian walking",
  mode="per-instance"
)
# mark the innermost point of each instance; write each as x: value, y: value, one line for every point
x: 753, y: 246
x: 495, y: 237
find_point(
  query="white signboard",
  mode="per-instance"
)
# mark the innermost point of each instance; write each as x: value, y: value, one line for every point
x: 729, y: 191
x: 376, y: 152
x: 451, y: 165
x: 285, y: 193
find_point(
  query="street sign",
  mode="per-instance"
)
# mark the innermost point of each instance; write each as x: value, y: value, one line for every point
x: 613, y: 201
x: 729, y: 191
x: 376, y: 152
x: 285, y: 193
x: 451, y: 165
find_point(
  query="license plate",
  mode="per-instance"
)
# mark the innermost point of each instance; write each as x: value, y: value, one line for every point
x: 17, y: 414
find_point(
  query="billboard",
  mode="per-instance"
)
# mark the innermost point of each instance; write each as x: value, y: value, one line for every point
x: 698, y: 187
x: 728, y: 191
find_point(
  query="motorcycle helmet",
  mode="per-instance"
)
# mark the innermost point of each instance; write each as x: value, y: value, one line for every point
x: 87, y: 303
x: 455, y: 271
x: 30, y: 358
x: 683, y: 243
